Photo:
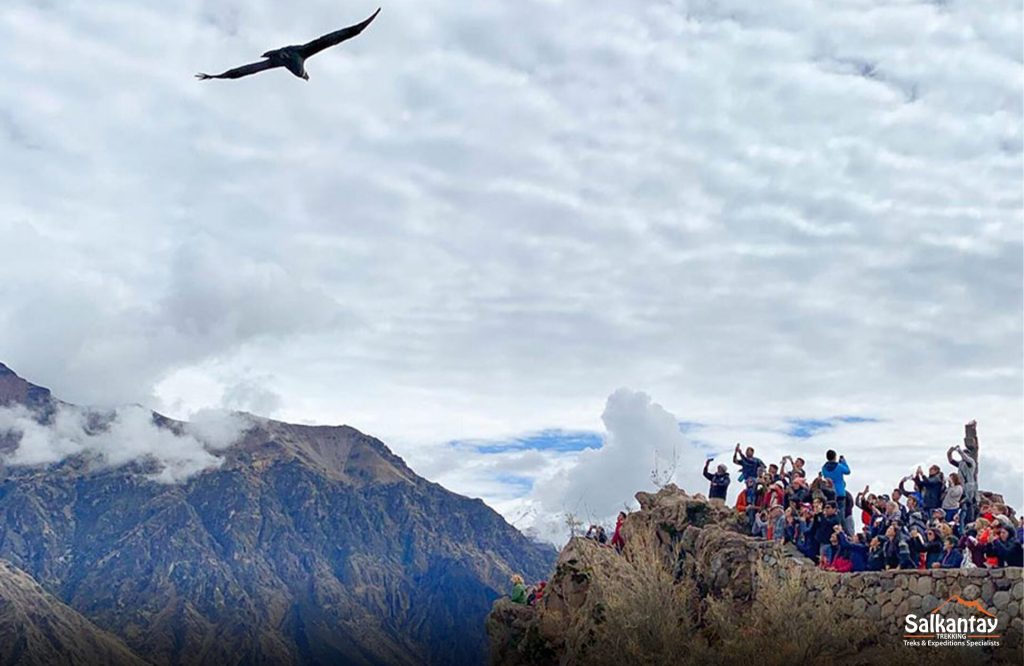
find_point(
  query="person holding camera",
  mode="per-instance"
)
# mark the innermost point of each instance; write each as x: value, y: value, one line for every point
x: 834, y: 471
x: 719, y: 483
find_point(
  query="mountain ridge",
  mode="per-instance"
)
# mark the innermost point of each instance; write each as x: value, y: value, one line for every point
x: 308, y: 544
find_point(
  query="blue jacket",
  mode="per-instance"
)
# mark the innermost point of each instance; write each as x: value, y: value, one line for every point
x: 952, y: 559
x: 835, y: 471
x: 857, y: 552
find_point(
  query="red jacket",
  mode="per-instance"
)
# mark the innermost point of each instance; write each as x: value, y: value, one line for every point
x: 617, y: 539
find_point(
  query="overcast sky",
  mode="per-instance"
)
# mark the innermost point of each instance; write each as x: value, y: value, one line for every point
x: 794, y: 224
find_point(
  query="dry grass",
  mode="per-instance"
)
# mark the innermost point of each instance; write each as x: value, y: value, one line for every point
x: 638, y: 612
x: 782, y: 625
x: 635, y: 613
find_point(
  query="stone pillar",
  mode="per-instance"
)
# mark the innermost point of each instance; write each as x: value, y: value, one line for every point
x: 971, y: 440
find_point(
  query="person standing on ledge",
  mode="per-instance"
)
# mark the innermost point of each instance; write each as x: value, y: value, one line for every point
x: 967, y: 470
x: 835, y: 471
x: 719, y: 483
x: 750, y: 467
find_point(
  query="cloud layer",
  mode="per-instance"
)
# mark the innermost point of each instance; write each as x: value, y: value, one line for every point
x: 126, y: 435
x: 476, y: 222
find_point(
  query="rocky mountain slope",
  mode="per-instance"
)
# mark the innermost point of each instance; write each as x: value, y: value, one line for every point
x: 36, y: 628
x: 307, y: 545
x: 691, y: 588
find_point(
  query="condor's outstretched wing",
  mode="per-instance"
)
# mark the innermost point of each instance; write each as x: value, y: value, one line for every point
x: 239, y: 72
x: 334, y: 38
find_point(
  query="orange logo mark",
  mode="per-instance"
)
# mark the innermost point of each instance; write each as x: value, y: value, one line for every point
x: 973, y: 605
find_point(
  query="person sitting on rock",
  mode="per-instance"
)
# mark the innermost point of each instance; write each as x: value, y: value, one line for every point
x: 719, y: 483
x: 790, y: 527
x: 952, y: 557
x: 1005, y: 549
x: 915, y: 516
x: 518, y: 595
x: 759, y: 530
x: 938, y: 518
x: 892, y: 516
x: 985, y: 510
x: 776, y: 524
x: 925, y: 549
x: 855, y: 551
x: 804, y: 534
x: 747, y: 502
x: 824, y: 527
x: 750, y: 466
x: 837, y: 560
x: 774, y: 495
x: 892, y: 547
x: 798, y: 493
x: 899, y: 495
x: 905, y: 558
x: 876, y: 554
x: 536, y: 593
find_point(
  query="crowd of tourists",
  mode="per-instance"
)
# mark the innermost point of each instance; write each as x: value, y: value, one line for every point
x: 929, y: 520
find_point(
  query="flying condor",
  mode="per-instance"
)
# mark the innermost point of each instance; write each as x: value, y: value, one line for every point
x: 293, y: 58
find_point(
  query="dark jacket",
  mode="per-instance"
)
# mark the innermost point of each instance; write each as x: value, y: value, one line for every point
x: 719, y: 484
x: 932, y: 551
x: 750, y: 468
x: 857, y: 553
x: 951, y: 559
x: 824, y: 527
x: 1009, y: 552
x: 801, y: 495
x: 931, y: 491
x: 876, y: 558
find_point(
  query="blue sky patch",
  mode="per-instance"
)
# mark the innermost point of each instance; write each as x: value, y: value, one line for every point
x: 806, y: 428
x: 522, y: 483
x: 563, y: 441
x: 689, y: 426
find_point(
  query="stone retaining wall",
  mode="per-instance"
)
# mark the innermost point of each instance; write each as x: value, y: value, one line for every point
x: 877, y: 595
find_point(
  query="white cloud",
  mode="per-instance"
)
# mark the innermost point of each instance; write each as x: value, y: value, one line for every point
x: 596, y: 484
x: 478, y: 221
x: 128, y: 434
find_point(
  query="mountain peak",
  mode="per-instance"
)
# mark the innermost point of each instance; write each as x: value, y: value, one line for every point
x: 340, y: 453
x: 16, y: 391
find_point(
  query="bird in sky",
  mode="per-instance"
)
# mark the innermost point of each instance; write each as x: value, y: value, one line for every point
x: 293, y: 58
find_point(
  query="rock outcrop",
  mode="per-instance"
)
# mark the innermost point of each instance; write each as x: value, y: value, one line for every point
x: 715, y: 592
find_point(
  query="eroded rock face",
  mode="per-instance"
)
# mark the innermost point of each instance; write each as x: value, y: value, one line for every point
x: 702, y: 546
